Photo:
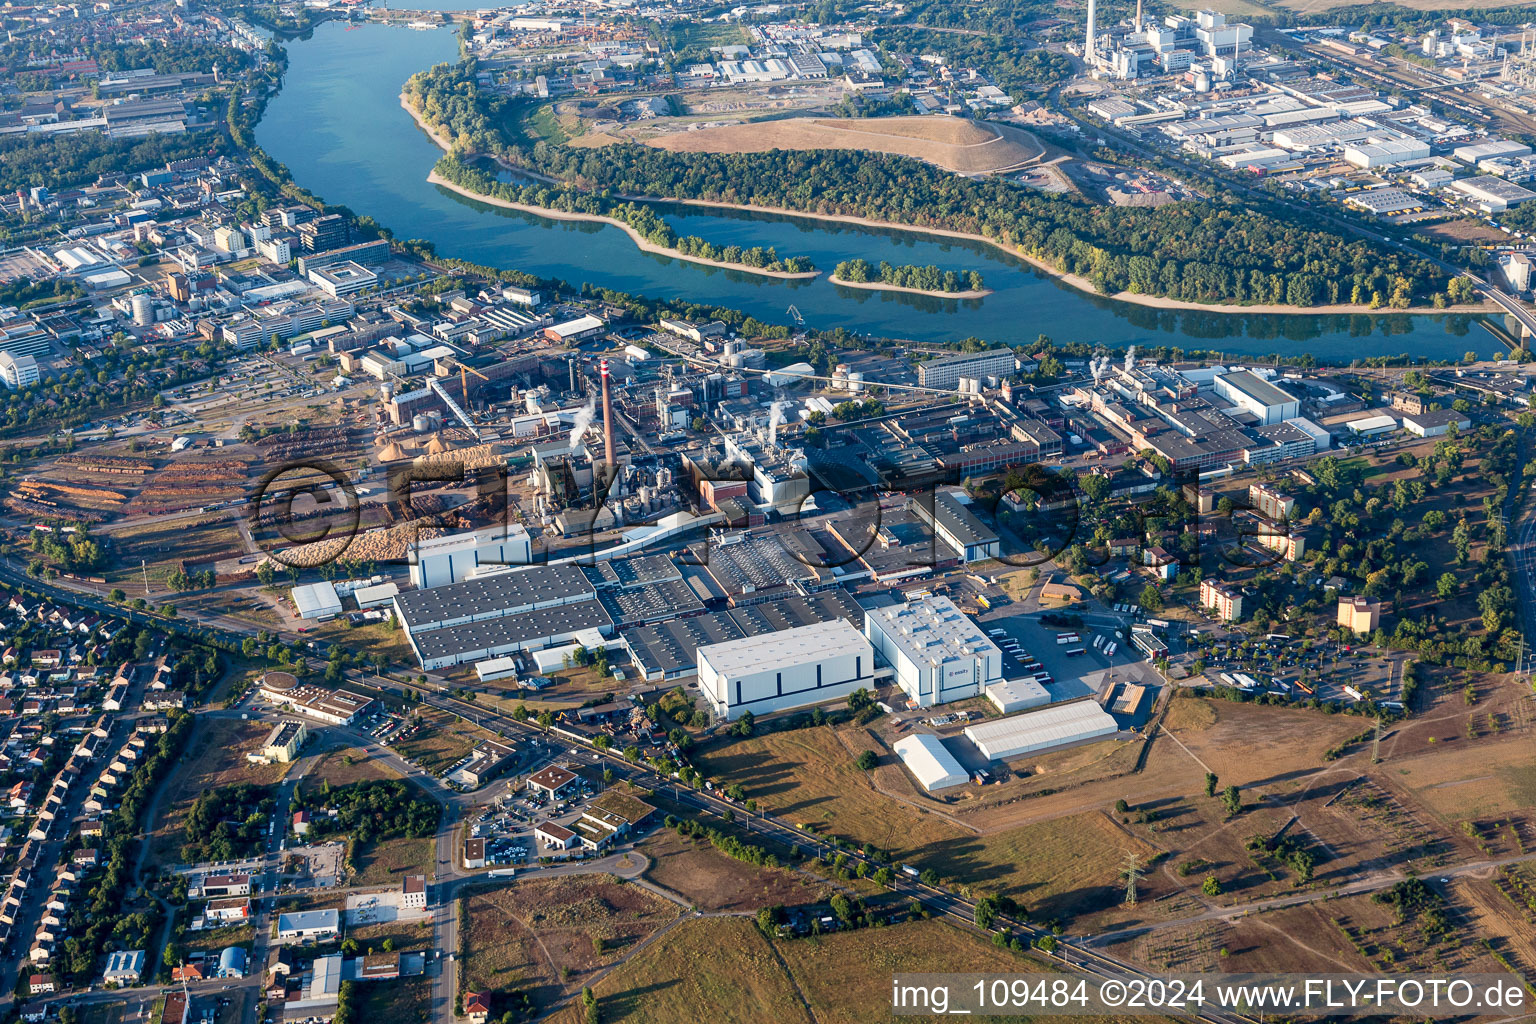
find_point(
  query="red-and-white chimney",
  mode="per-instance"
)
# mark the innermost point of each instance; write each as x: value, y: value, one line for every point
x: 607, y: 419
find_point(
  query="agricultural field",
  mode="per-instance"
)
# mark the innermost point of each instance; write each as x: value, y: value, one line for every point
x: 546, y: 937
x: 955, y: 144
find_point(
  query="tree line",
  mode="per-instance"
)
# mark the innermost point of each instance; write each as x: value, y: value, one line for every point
x: 1218, y: 252
x: 643, y: 219
x: 927, y: 278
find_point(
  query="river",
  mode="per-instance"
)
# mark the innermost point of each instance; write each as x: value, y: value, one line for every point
x: 339, y: 127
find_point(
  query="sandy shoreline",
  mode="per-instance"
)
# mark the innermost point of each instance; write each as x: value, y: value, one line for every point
x: 1082, y: 284
x: 641, y: 242
x: 881, y: 286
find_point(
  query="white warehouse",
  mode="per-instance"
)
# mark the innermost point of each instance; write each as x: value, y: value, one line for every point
x: 792, y: 668
x: 1055, y: 726
x: 937, y: 652
x: 436, y: 561
x: 928, y: 760
x: 1252, y: 393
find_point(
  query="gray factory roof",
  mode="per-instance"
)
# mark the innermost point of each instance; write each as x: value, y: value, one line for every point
x: 759, y: 562
x: 672, y: 647
x: 1257, y: 387
x: 507, y: 592
x: 526, y: 628
x: 960, y: 522
x: 629, y: 573
x: 663, y: 599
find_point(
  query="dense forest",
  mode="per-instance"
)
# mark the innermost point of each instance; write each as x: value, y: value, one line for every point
x: 642, y: 218
x: 1214, y: 252
x: 928, y: 279
x: 68, y: 161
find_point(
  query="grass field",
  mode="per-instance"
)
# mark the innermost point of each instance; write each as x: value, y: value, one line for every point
x: 215, y: 760
x: 352, y: 764
x: 401, y: 1001
x: 542, y: 936
x: 1060, y: 868
x: 441, y: 740
x: 161, y: 547
x: 955, y: 144
x: 712, y: 881
x: 726, y: 965
x: 407, y: 936
x: 1493, y: 779
x: 384, y: 863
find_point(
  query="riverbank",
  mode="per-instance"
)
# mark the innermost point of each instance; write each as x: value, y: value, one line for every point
x: 1075, y: 281
x: 881, y: 286
x: 641, y: 242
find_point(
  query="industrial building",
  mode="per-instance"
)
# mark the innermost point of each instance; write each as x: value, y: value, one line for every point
x: 338, y: 707
x: 317, y: 601
x: 1252, y: 393
x: 436, y: 561
x: 1436, y: 422
x: 936, y: 651
x: 1017, y: 695
x: 1492, y: 194
x: 933, y: 766
x: 1056, y: 726
x: 957, y: 526
x: 945, y: 372
x: 523, y: 609
x: 792, y: 668
x: 309, y: 925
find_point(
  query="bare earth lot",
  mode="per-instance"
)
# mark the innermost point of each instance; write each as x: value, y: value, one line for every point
x: 952, y: 143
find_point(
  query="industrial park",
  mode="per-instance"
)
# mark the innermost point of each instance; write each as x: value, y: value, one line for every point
x: 605, y: 514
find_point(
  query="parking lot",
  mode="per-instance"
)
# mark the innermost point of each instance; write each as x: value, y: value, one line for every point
x: 1032, y: 643
x: 1300, y: 669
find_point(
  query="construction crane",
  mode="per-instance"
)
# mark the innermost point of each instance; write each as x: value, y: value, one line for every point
x: 792, y: 311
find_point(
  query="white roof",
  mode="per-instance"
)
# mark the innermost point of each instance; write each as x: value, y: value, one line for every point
x: 1382, y: 422
x: 1018, y: 694
x: 927, y: 758
x: 378, y: 592
x: 314, y: 599
x: 453, y: 543
x: 802, y: 645
x: 1037, y: 730
x: 932, y: 629
x: 493, y: 666
x: 578, y: 326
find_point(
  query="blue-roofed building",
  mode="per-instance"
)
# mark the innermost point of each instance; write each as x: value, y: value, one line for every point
x: 232, y: 962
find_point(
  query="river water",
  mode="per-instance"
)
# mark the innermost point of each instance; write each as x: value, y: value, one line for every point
x: 339, y: 127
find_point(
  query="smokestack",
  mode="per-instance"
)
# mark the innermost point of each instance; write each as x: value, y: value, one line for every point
x: 1138, y: 15
x: 1088, y: 43
x: 607, y: 420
